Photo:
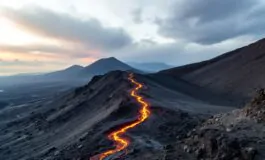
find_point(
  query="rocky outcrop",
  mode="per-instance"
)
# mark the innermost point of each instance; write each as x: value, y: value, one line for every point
x: 237, y: 135
x: 256, y: 109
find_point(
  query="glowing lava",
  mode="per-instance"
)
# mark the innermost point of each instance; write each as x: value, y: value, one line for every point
x: 115, y: 136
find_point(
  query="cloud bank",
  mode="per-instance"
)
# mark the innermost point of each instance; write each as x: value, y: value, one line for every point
x: 174, y: 31
x: 89, y: 32
x: 213, y: 21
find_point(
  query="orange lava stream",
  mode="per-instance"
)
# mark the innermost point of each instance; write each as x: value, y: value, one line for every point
x: 115, y: 136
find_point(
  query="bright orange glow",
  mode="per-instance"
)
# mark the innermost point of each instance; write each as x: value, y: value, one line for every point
x: 115, y: 136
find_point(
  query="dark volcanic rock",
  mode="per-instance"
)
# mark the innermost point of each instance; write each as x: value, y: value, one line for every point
x: 217, y: 145
x: 256, y: 109
x: 237, y: 135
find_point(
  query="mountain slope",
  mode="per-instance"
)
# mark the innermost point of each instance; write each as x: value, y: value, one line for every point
x: 99, y: 67
x: 230, y: 136
x: 74, y: 125
x: 150, y: 67
x: 236, y: 74
x: 73, y: 74
x: 66, y: 73
x: 61, y: 121
x: 105, y: 65
x: 183, y: 70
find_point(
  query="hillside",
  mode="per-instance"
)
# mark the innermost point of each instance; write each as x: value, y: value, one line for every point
x: 236, y: 74
x: 150, y: 67
x: 230, y: 136
x: 105, y: 65
x: 69, y: 72
x: 74, y: 124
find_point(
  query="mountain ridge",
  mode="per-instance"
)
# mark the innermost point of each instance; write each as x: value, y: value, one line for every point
x: 105, y: 65
x: 73, y: 73
x: 236, y: 74
x: 150, y: 66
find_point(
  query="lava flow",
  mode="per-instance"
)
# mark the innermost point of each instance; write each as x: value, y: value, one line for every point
x: 115, y: 136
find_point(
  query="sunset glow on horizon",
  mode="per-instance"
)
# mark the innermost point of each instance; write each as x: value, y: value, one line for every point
x: 19, y: 51
x: 61, y: 33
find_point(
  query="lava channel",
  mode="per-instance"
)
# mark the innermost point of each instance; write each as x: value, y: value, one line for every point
x: 116, y: 136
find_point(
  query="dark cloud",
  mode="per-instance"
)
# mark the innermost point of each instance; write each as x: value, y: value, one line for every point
x: 213, y: 21
x: 137, y: 16
x: 174, y: 54
x: 41, y: 49
x: 18, y: 66
x: 146, y: 51
x: 23, y: 63
x: 178, y: 53
x: 65, y: 27
x: 211, y: 10
x: 17, y: 62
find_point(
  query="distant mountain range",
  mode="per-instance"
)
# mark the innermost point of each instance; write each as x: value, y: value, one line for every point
x: 99, y: 67
x: 150, y: 67
x: 80, y: 73
x: 105, y: 65
x: 73, y: 73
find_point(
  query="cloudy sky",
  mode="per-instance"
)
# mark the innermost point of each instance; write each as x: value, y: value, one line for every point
x: 45, y: 35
